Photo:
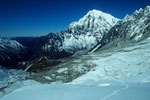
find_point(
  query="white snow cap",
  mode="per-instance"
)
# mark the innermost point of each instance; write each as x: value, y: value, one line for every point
x: 148, y: 7
x: 95, y: 13
x: 98, y: 15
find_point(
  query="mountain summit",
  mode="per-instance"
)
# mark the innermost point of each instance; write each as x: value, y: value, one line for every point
x: 87, y: 32
x: 96, y: 17
x: 80, y: 35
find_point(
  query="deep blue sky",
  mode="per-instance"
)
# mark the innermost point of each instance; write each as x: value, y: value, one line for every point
x: 39, y: 17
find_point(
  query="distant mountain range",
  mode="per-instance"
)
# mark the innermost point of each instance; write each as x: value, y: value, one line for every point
x: 12, y: 52
x: 92, y: 32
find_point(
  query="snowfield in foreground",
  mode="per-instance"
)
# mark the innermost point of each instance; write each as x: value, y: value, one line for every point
x: 131, y: 88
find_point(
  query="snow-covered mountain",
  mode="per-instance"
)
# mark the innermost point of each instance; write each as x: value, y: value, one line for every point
x: 11, y: 52
x: 133, y: 28
x: 88, y: 31
x: 129, y: 31
x: 10, y: 43
x: 80, y: 35
x: 92, y: 32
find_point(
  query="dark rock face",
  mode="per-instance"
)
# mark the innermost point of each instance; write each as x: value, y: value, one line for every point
x: 38, y: 64
x: 35, y: 43
x: 12, y: 52
x: 49, y: 46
